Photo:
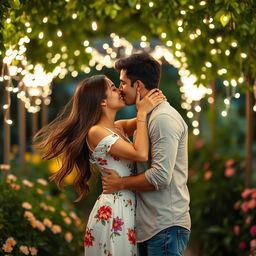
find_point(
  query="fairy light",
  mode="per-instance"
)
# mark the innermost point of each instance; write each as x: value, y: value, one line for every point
x: 240, y: 80
x: 208, y: 64
x: 192, y: 36
x: 237, y: 95
x: 143, y: 38
x: 219, y: 39
x: 49, y: 43
x: 234, y: 44
x: 202, y: 3
x: 211, y: 26
x: 86, y: 43
x: 163, y: 35
x: 180, y: 22
x: 74, y: 16
x: 41, y: 35
x: 195, y: 123
x: 226, y: 83
x: 138, y: 6
x: 198, y: 32
x: 233, y: 83
x: 151, y: 4
x: 243, y: 55
x: 196, y: 131
x: 213, y: 51
x: 224, y: 113
x: 94, y: 26
x: 169, y: 43
x: 45, y: 19
x: 227, y: 52
x: 8, y: 20
x: 182, y: 12
x: 59, y: 33
x: 180, y: 29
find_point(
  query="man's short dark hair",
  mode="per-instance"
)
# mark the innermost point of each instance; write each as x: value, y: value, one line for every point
x: 143, y: 67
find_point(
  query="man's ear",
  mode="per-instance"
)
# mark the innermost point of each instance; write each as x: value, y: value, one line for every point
x: 140, y: 85
x: 103, y: 103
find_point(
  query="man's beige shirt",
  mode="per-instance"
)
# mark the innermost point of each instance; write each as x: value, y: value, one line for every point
x: 167, y: 170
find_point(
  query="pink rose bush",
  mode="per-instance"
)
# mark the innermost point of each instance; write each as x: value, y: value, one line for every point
x: 245, y: 227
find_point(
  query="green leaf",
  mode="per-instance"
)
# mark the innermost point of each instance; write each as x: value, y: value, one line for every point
x: 132, y: 3
x: 15, y: 4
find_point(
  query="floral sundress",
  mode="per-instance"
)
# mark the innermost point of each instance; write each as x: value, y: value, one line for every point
x: 110, y: 229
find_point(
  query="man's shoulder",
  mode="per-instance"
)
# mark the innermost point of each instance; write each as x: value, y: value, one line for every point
x: 166, y: 115
x: 164, y: 109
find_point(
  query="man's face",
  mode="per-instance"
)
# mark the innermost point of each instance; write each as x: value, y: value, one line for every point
x: 128, y: 92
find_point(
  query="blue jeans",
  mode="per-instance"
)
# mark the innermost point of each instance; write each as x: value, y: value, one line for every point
x: 168, y: 242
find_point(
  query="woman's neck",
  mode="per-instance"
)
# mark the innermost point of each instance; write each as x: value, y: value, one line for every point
x: 107, y: 120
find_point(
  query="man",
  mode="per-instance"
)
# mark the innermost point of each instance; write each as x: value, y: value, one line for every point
x: 162, y: 214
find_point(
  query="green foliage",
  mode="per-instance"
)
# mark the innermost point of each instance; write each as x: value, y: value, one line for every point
x: 233, y: 20
x: 37, y: 218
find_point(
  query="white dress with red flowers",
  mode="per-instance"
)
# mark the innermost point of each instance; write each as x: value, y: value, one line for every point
x: 110, y: 229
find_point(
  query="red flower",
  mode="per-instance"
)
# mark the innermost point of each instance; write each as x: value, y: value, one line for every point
x: 116, y: 158
x: 104, y: 213
x: 129, y: 202
x: 131, y: 236
x: 102, y: 161
x: 88, y: 239
x: 242, y: 246
x: 253, y: 230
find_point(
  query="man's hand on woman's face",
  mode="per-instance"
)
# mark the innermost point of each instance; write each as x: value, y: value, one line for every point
x: 111, y: 183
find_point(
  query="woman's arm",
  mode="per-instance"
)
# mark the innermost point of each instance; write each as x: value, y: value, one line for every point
x: 128, y: 126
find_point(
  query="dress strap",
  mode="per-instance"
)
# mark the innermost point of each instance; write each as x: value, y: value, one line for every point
x: 109, y: 130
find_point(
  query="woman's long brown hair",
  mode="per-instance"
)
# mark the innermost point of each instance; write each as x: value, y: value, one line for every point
x: 65, y: 136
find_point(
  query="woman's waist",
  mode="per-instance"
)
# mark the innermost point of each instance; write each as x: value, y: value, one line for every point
x: 122, y: 195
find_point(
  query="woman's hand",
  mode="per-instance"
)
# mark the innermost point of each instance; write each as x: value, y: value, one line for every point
x: 153, y: 98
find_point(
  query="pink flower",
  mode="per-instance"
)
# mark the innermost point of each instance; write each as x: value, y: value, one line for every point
x: 253, y: 230
x: 236, y: 230
x: 253, y: 244
x: 207, y: 175
x: 245, y: 206
x: 117, y: 224
x: 248, y: 220
x: 251, y: 204
x: 229, y: 172
x: 242, y: 246
x: 246, y: 193
x: 229, y: 162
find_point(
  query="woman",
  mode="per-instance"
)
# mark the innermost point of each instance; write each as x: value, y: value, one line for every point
x: 89, y: 134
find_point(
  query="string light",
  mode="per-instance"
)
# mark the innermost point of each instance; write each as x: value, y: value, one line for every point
x: 94, y: 26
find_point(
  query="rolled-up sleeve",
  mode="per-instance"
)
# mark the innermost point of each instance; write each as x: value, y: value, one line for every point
x: 164, y: 134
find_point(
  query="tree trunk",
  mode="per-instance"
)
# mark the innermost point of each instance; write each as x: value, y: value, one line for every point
x: 22, y: 129
x: 249, y: 136
x: 7, y: 128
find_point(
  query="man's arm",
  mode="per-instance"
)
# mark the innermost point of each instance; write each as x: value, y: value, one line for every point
x: 113, y: 182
